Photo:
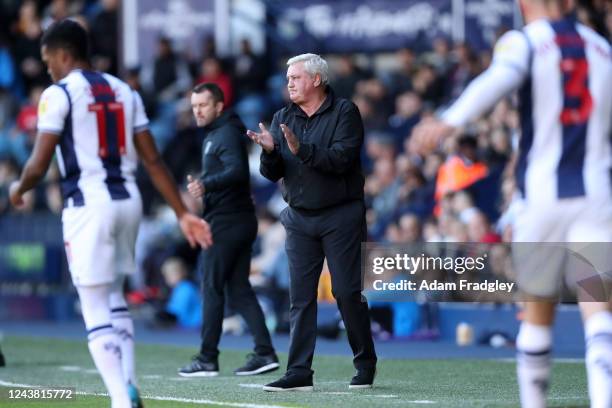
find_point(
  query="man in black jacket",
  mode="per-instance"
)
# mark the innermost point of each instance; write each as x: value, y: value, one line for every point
x: 228, y: 207
x: 314, y: 144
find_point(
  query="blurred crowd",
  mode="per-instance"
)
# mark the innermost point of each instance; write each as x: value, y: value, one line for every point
x: 461, y: 193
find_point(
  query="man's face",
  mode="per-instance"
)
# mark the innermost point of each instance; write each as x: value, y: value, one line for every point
x: 55, y: 61
x: 300, y: 83
x: 204, y: 108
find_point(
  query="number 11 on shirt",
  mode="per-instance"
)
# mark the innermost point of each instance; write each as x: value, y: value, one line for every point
x: 102, y: 109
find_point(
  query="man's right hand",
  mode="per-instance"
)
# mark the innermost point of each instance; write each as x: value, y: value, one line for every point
x: 195, y: 187
x: 264, y: 139
x: 196, y: 230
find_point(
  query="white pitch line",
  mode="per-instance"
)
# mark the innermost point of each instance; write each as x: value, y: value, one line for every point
x: 156, y: 397
x: 251, y: 385
x: 554, y: 360
x: 72, y: 369
x: 151, y: 377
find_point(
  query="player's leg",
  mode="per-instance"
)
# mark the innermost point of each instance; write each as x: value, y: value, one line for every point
x: 124, y: 326
x: 591, y: 236
x: 597, y: 317
x: 243, y: 300
x: 90, y: 249
x: 539, y: 264
x: 126, y: 231
x: 534, y: 345
x: 125, y: 264
x: 103, y: 341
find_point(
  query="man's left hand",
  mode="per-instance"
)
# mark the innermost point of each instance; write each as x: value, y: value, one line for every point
x: 15, y: 196
x: 291, y: 138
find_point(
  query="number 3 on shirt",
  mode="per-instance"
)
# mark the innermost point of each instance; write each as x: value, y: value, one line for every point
x: 102, y: 109
x: 575, y: 86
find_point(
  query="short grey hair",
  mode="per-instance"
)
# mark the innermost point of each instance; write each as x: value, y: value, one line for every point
x: 313, y: 64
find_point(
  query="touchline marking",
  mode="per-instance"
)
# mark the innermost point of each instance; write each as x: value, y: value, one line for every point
x: 554, y: 360
x: 151, y: 377
x: 70, y: 368
x: 155, y: 397
x: 251, y: 385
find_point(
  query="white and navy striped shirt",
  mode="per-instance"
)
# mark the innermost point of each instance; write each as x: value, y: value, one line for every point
x: 96, y: 115
x: 563, y: 72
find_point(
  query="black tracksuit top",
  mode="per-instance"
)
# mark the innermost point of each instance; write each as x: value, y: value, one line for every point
x: 225, y: 167
x: 327, y: 168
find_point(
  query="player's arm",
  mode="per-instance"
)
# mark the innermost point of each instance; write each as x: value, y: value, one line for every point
x: 53, y: 108
x: 195, y: 229
x: 35, y: 168
x: 507, y: 72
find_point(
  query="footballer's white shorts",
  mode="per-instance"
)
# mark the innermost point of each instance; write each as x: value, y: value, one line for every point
x: 567, y: 241
x: 99, y: 239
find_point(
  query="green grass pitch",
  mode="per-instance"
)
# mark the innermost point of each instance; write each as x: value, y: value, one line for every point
x: 400, y: 383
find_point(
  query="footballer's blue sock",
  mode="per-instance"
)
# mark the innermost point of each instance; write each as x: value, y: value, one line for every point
x: 598, y: 334
x: 533, y: 346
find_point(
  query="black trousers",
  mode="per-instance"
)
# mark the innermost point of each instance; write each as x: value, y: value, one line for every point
x: 226, y: 266
x: 336, y: 234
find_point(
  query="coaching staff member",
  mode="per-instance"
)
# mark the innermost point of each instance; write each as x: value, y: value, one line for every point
x: 228, y: 208
x: 314, y: 145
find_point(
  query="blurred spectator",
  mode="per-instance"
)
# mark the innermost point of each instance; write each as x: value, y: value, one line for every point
x: 184, y: 303
x: 428, y: 85
x: 212, y: 71
x: 8, y: 76
x: 250, y: 73
x: 410, y: 229
x: 460, y: 170
x: 26, y: 48
x: 169, y: 77
x: 148, y: 98
x: 440, y: 57
x: 463, y: 206
x: 466, y: 68
x: 270, y: 240
x: 400, y: 80
x: 9, y: 172
x: 59, y: 10
x: 479, y: 229
x: 104, y: 37
x: 407, y: 114
x: 346, y: 75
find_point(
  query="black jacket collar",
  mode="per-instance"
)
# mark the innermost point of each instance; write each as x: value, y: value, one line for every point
x: 225, y: 117
x: 329, y: 101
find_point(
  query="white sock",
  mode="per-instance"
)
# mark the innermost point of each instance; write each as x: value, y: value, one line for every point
x: 106, y: 354
x: 598, y: 334
x: 533, y: 346
x: 124, y: 326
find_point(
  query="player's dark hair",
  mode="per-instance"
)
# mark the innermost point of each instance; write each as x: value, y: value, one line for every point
x: 68, y: 35
x: 214, y: 90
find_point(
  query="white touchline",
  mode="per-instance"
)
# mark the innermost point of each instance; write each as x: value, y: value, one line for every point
x: 155, y: 397
x: 70, y: 368
x: 251, y: 385
x: 554, y: 360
